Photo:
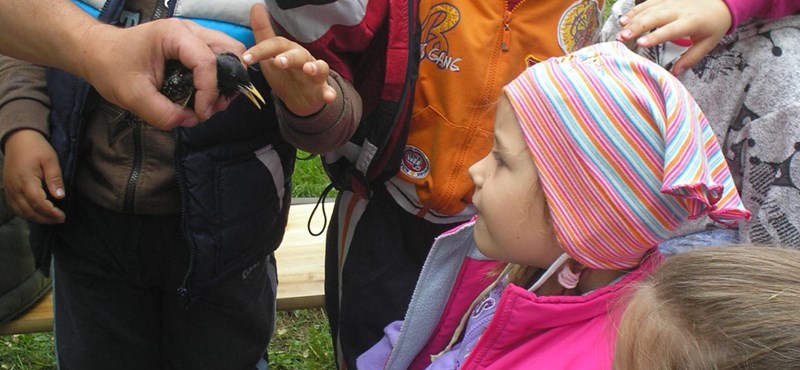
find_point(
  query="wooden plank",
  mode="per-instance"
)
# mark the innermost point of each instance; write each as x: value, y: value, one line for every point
x: 301, y: 262
x: 36, y: 319
x: 301, y: 275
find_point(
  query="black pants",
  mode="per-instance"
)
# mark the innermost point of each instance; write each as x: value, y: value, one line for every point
x: 379, y: 268
x: 117, y: 306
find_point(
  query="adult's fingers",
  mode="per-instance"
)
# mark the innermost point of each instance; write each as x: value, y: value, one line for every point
x: 158, y: 111
x: 218, y: 41
x: 193, y: 52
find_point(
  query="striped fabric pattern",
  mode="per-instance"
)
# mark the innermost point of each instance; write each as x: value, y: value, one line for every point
x: 624, y: 153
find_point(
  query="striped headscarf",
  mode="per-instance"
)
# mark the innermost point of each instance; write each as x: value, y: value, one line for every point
x: 625, y: 156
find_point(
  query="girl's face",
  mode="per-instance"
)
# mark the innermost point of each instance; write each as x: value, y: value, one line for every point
x: 513, y: 224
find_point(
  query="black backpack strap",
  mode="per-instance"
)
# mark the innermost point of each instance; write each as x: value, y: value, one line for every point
x: 382, y: 134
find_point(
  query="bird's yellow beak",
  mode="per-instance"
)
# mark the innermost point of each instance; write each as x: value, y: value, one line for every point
x: 251, y: 93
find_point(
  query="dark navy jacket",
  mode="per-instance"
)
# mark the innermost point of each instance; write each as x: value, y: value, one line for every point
x: 234, y: 208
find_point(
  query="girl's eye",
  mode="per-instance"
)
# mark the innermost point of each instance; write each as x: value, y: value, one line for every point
x: 498, y: 159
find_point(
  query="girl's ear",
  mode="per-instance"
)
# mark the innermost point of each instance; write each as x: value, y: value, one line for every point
x: 576, y: 266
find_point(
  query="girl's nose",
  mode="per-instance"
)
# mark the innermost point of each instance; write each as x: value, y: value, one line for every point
x: 476, y: 171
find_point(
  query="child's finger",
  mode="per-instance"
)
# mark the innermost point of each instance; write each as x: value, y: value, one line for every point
x: 294, y: 58
x: 45, y: 212
x: 693, y: 55
x: 34, y: 206
x: 266, y: 49
x: 260, y: 24
x: 262, y: 30
x: 669, y: 32
x: 20, y: 207
x: 636, y: 11
x: 648, y: 21
x: 318, y: 70
x: 52, y: 177
x: 328, y: 94
x: 635, y: 28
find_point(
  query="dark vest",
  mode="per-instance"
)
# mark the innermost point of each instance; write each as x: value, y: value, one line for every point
x: 234, y: 209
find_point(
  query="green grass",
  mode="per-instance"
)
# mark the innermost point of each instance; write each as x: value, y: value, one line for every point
x: 27, y: 352
x: 301, y: 340
x: 309, y: 179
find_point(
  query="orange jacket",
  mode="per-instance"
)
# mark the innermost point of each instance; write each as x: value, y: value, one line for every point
x: 469, y: 51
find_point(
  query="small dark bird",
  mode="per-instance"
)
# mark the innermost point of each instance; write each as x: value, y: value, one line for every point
x: 232, y: 77
x: 178, y: 86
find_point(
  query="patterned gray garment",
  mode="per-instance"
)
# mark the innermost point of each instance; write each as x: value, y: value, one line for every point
x: 749, y: 88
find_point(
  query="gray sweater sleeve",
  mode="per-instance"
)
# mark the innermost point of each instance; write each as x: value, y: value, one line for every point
x: 327, y: 129
x: 24, y: 103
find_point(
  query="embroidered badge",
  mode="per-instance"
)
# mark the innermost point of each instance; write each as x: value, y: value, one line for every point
x: 578, y: 25
x: 414, y: 163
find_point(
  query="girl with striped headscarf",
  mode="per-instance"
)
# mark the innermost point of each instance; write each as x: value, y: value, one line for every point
x: 598, y: 157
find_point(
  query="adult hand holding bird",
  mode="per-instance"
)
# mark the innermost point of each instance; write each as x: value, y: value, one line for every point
x: 129, y: 74
x: 298, y: 79
x: 181, y: 86
x: 31, y: 161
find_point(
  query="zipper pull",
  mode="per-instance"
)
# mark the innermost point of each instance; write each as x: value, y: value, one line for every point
x: 506, y: 42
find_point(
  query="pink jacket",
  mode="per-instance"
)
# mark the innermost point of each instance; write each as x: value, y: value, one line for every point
x: 742, y: 10
x: 526, y: 332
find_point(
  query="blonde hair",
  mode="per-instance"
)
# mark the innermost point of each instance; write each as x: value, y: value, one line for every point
x: 735, y: 307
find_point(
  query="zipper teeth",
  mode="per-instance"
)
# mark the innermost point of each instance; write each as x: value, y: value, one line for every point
x: 136, y: 168
x: 159, y: 10
x: 183, y: 290
x: 164, y: 8
x: 515, y: 6
x: 512, y: 10
x: 103, y: 12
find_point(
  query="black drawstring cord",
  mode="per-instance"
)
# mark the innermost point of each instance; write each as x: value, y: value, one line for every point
x: 320, y: 200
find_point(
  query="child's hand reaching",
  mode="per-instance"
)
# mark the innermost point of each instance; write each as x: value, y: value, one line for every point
x: 296, y: 77
x: 30, y: 163
x: 702, y: 21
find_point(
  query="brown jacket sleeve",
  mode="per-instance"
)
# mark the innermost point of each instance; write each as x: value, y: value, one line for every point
x: 23, y: 98
x: 327, y: 129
